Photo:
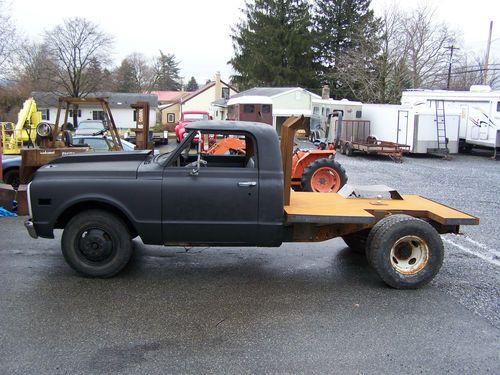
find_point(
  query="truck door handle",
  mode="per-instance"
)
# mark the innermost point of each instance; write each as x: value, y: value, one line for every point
x: 247, y: 183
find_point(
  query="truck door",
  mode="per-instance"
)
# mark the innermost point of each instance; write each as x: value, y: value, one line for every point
x: 217, y: 203
x: 402, y: 127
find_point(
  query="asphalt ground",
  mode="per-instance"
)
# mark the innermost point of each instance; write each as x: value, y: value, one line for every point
x: 309, y: 308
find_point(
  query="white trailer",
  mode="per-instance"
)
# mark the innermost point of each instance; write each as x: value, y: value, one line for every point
x: 479, y: 111
x: 322, y: 108
x: 414, y: 126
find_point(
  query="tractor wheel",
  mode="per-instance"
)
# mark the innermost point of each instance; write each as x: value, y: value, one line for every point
x: 357, y: 241
x: 406, y: 252
x: 324, y: 176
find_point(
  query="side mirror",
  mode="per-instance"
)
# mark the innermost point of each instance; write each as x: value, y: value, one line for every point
x: 196, y: 169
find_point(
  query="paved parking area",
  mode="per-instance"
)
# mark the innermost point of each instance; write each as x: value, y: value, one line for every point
x: 311, y: 308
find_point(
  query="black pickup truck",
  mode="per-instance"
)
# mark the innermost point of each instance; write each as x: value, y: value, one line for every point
x: 188, y: 197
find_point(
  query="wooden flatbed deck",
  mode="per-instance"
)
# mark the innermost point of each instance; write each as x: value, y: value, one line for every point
x: 332, y: 208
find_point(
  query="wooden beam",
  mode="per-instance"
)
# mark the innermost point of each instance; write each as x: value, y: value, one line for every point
x: 288, y: 130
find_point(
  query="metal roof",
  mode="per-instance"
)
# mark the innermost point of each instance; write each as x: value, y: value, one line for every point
x: 115, y: 99
x: 270, y: 91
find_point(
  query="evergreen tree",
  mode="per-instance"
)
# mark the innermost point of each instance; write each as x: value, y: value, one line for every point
x: 125, y: 77
x: 166, y: 73
x: 192, y: 85
x: 347, y: 46
x: 273, y: 45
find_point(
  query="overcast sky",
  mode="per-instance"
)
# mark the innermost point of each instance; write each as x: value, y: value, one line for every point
x: 197, y: 32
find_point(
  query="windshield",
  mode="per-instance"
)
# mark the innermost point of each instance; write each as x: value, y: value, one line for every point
x: 195, y: 117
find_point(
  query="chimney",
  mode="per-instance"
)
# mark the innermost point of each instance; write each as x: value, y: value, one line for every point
x: 218, y: 86
x: 325, y: 93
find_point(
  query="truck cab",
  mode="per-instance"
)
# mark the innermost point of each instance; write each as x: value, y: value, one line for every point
x: 187, y: 196
x: 241, y: 196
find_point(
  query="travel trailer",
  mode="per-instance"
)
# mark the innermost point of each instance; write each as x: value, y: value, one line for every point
x: 479, y: 111
x: 322, y: 108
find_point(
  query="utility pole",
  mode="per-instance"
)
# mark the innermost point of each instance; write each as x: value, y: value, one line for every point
x: 487, y: 58
x: 451, y: 48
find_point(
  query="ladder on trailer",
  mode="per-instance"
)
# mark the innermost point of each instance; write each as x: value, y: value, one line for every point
x: 442, y: 140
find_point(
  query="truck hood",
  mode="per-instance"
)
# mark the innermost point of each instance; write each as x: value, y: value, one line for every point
x: 96, y: 165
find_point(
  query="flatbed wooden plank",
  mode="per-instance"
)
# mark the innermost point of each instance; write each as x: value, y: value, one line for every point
x: 332, y: 208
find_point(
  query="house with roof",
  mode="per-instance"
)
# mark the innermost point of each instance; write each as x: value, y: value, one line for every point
x: 284, y: 101
x: 120, y: 104
x: 171, y: 106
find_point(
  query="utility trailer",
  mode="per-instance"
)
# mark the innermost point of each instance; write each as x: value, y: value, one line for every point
x: 191, y: 198
x: 353, y: 136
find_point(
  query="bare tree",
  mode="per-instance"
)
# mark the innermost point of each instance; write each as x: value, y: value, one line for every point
x: 8, y: 38
x: 468, y: 70
x: 426, y: 40
x: 77, y: 47
x: 393, y: 73
x: 142, y: 72
x: 32, y: 69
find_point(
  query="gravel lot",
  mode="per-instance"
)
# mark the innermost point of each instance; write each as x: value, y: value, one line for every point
x: 315, y: 308
x: 470, y: 183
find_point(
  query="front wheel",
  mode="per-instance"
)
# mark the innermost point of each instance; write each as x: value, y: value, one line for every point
x: 406, y: 252
x: 324, y: 176
x: 11, y: 177
x: 96, y: 243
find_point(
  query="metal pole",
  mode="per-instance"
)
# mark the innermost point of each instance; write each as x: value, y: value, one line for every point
x: 487, y: 58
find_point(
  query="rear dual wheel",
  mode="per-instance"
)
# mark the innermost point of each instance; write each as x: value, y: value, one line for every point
x: 406, y: 252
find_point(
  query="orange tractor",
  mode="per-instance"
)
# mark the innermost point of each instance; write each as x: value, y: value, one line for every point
x: 312, y: 170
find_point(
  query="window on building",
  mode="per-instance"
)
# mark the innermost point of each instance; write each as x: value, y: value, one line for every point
x: 70, y: 113
x: 98, y: 115
x: 249, y: 108
x: 225, y: 92
x: 316, y: 110
x: 45, y: 114
x: 358, y: 114
x: 170, y: 118
x: 266, y: 108
x: 498, y: 106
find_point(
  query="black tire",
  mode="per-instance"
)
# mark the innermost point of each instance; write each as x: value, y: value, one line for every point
x: 348, y: 151
x: 67, y: 138
x: 338, y: 180
x: 11, y: 177
x: 357, y: 241
x: 342, y: 148
x: 406, y: 252
x: 96, y: 243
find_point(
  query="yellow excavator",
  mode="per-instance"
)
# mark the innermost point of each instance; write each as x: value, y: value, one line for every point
x: 24, y: 132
